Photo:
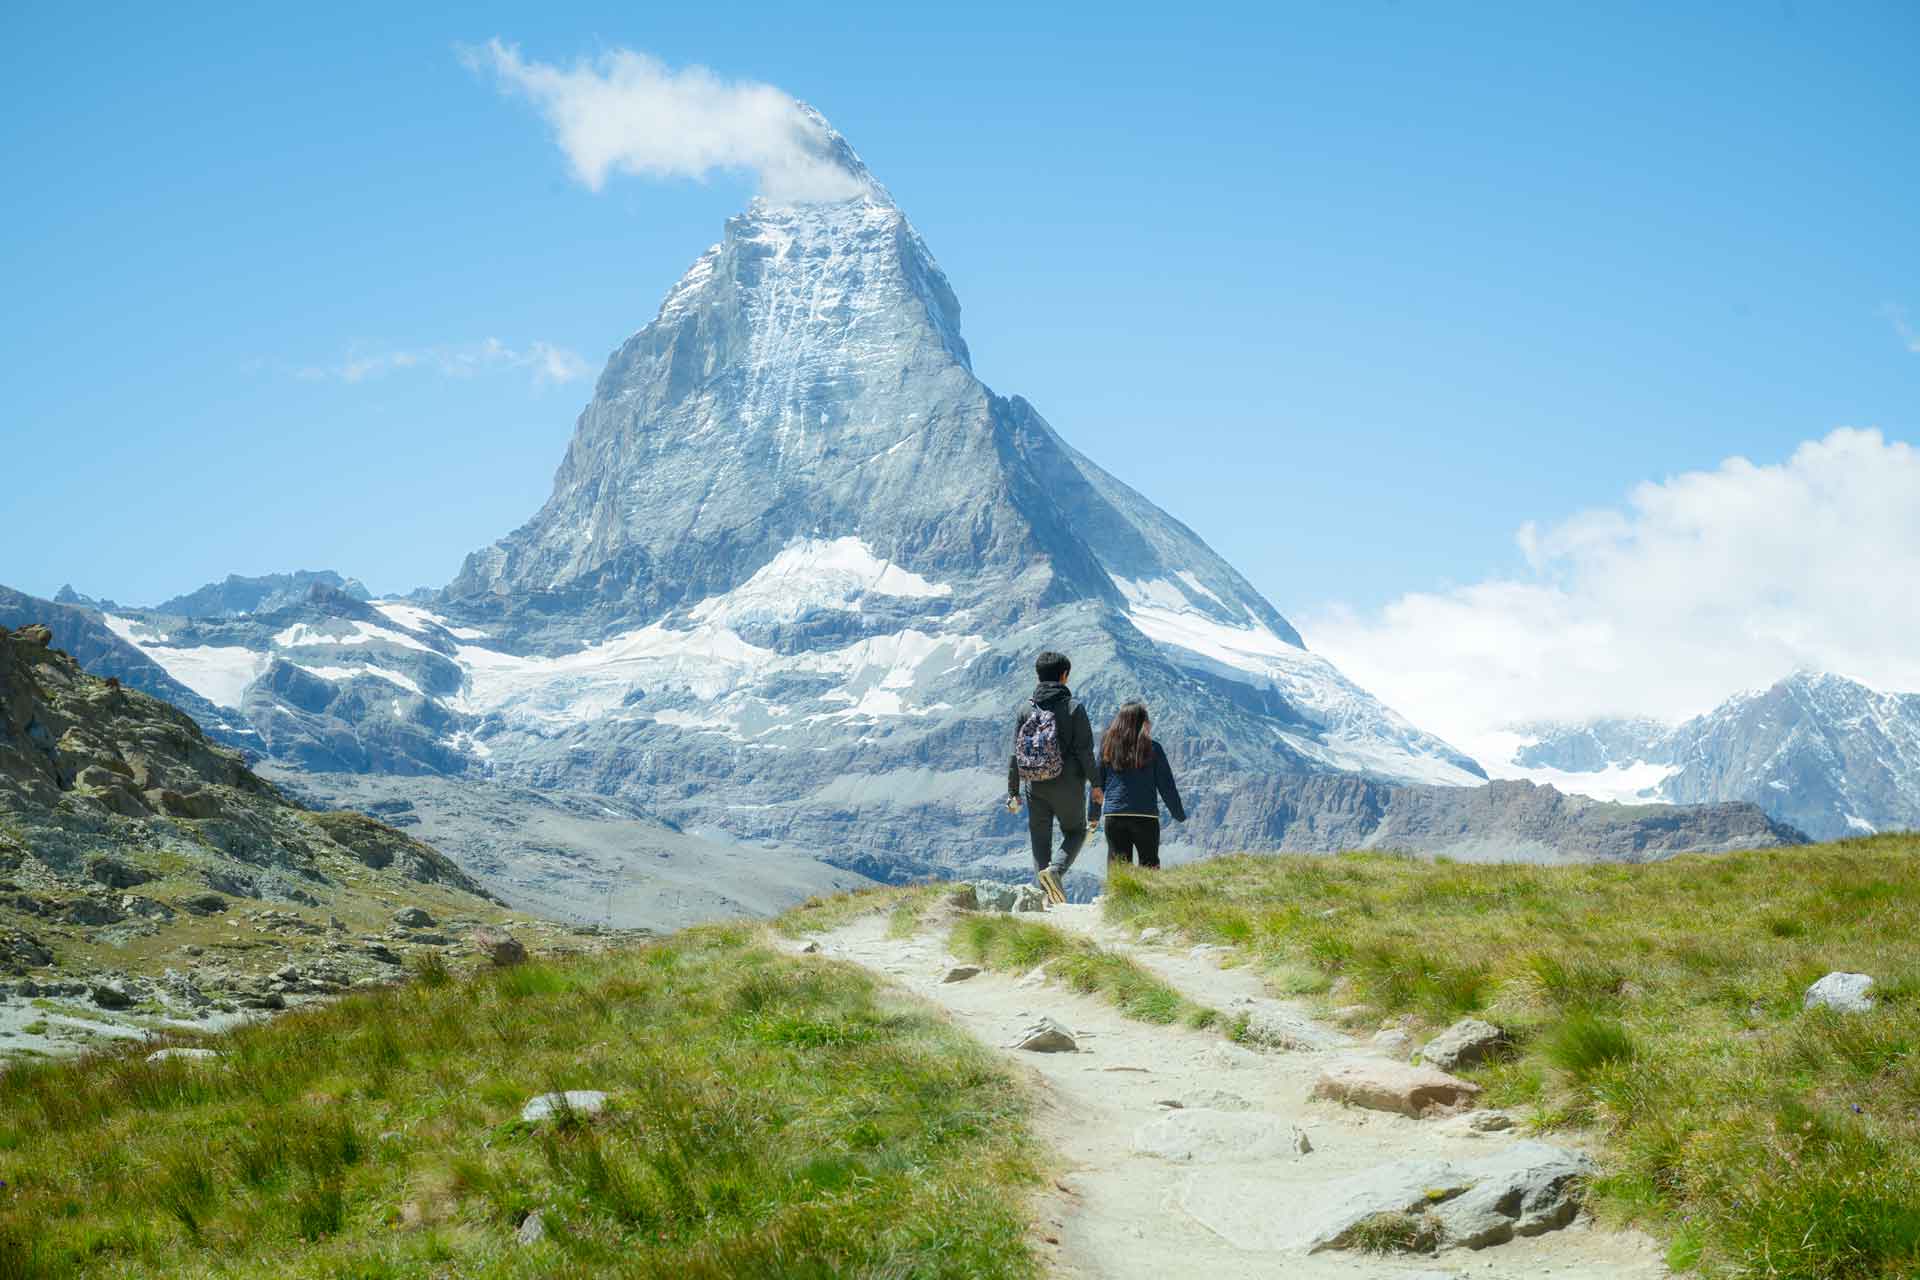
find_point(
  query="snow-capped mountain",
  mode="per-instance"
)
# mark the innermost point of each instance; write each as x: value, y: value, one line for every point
x: 790, y: 582
x: 1817, y: 751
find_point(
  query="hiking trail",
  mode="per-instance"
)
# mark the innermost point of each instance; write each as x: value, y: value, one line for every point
x: 1221, y: 1191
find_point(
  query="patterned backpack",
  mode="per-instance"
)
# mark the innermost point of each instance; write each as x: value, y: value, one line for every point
x: 1036, y: 747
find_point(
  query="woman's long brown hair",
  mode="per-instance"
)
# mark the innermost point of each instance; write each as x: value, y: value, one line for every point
x: 1128, y: 742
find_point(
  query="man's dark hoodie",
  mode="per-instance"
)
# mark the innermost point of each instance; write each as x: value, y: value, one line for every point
x: 1078, y: 767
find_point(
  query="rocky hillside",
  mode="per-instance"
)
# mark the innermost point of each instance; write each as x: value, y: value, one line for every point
x: 147, y: 873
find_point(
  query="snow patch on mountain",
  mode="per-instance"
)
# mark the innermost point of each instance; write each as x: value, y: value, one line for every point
x: 349, y: 631
x: 218, y: 673
x: 810, y: 574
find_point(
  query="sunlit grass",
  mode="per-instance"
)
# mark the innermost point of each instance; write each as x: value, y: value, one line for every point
x: 1657, y: 1005
x: 768, y: 1116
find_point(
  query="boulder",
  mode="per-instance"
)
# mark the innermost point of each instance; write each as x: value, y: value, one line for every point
x: 1382, y: 1084
x: 960, y: 973
x: 533, y: 1229
x: 1149, y: 936
x: 112, y: 994
x: 1463, y: 1044
x: 413, y: 918
x: 1846, y: 992
x: 499, y: 946
x: 1203, y: 1136
x: 579, y: 1102
x: 1046, y: 1036
x: 1525, y: 1189
x: 115, y: 874
x: 203, y: 904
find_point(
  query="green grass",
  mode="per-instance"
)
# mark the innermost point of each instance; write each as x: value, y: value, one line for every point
x: 1657, y: 1006
x: 904, y: 905
x: 770, y: 1116
x: 1007, y: 942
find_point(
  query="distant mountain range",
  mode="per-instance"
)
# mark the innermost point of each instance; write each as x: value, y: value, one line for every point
x: 788, y: 589
x: 1817, y: 751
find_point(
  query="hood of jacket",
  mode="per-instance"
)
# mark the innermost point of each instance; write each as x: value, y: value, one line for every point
x: 1053, y: 696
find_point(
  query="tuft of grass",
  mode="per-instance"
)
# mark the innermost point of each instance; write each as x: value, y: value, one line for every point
x: 1006, y: 942
x: 1657, y: 1006
x: 769, y: 1117
x: 1583, y: 1043
x: 1385, y: 1233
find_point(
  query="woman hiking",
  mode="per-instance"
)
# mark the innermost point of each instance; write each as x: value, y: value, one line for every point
x: 1135, y: 777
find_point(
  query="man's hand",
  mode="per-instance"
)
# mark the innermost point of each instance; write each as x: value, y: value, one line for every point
x: 1098, y: 797
x: 1013, y: 802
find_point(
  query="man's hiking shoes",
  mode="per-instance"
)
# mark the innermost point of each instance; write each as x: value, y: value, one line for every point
x: 1051, y: 884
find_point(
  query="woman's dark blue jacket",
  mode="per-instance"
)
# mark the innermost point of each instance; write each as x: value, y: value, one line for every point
x: 1130, y: 792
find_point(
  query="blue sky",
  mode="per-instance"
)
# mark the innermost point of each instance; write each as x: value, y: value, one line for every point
x: 1356, y: 290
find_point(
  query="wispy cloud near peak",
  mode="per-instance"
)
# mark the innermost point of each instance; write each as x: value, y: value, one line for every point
x: 546, y: 362
x: 628, y: 112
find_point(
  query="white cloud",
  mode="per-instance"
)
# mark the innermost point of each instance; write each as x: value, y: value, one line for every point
x: 628, y: 112
x: 546, y: 362
x: 1702, y: 585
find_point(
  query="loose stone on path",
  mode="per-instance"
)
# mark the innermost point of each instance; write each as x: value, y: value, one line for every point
x: 1381, y: 1084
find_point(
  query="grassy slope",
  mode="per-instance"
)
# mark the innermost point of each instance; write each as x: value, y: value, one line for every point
x: 772, y: 1116
x: 1657, y: 1005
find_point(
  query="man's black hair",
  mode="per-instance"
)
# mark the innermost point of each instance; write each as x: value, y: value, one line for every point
x: 1052, y: 667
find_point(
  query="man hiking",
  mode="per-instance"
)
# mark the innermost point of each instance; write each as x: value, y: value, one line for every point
x: 1053, y: 755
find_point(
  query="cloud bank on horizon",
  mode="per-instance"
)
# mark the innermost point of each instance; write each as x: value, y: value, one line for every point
x: 1700, y: 586
x: 627, y: 112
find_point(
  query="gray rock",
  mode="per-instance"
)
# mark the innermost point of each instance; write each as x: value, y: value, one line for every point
x: 1847, y: 992
x: 1381, y: 1084
x: 533, y: 1229
x: 580, y: 1102
x: 113, y: 994
x: 991, y: 895
x: 183, y: 1055
x: 1204, y: 1136
x: 1465, y: 1043
x: 811, y: 949
x: 960, y: 973
x: 1392, y: 1041
x: 1149, y: 936
x: 1525, y: 1189
x: 1274, y: 1026
x: 413, y: 918
x: 1046, y: 1036
x: 499, y: 946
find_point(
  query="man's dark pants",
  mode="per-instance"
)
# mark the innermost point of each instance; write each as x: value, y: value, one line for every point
x: 1062, y: 800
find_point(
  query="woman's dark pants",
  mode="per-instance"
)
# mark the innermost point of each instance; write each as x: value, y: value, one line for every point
x: 1126, y: 836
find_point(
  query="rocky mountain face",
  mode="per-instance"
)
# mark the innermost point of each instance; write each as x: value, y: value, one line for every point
x: 131, y: 844
x: 788, y: 589
x: 238, y: 596
x: 1513, y: 821
x: 1818, y: 752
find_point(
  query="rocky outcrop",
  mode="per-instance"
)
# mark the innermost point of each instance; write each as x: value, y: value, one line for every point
x: 122, y: 827
x: 238, y: 596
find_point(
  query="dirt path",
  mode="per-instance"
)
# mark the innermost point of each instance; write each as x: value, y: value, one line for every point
x: 1121, y: 1212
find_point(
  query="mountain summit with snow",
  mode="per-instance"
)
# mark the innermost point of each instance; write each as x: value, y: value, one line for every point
x: 788, y: 589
